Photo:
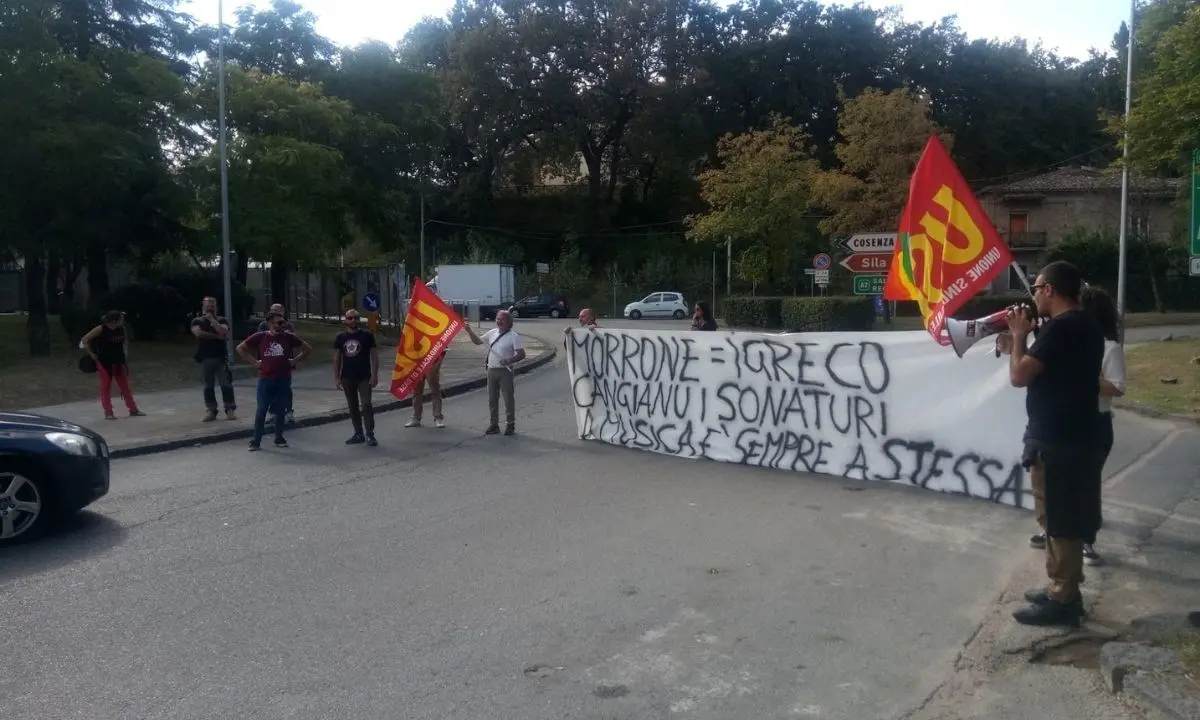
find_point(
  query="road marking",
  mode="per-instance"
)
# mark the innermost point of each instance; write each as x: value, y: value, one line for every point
x: 1142, y: 461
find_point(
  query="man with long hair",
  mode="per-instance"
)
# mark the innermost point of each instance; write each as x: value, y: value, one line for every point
x: 1061, y: 374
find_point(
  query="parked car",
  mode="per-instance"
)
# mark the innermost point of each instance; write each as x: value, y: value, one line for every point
x: 541, y: 305
x: 48, y: 468
x: 658, y: 305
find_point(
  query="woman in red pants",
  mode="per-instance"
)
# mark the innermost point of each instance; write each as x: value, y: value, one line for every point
x: 108, y: 345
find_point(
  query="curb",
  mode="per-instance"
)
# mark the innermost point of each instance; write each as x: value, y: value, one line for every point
x: 459, y: 388
x: 1150, y: 412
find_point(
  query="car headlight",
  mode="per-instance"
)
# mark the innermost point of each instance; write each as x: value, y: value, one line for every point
x: 73, y: 444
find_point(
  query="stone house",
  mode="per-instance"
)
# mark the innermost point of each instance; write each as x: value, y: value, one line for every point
x: 1034, y: 214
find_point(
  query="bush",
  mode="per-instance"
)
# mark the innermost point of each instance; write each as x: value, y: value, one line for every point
x: 757, y: 312
x: 196, y: 284
x: 150, y: 310
x: 828, y: 314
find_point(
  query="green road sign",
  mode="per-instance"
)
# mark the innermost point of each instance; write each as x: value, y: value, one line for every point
x: 1195, y: 236
x: 869, y: 284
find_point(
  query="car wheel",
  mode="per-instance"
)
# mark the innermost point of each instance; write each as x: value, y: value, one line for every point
x: 24, y: 504
x: 678, y: 314
x: 555, y: 314
x: 635, y: 315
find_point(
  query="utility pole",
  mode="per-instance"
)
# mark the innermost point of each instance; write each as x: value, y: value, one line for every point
x: 1122, y: 262
x: 222, y: 151
x: 423, y: 278
x: 728, y: 264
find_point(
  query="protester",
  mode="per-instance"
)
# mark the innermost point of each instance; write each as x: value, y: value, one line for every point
x: 264, y: 326
x: 275, y: 352
x: 356, y: 372
x: 587, y: 319
x: 702, y: 317
x: 212, y: 331
x: 108, y: 345
x: 1099, y: 304
x: 1061, y: 372
x: 504, y: 351
x: 433, y: 380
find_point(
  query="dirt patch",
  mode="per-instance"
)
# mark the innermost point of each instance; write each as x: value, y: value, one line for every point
x: 1078, y: 652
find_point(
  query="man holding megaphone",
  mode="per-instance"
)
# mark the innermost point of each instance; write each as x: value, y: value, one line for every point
x: 1063, y: 453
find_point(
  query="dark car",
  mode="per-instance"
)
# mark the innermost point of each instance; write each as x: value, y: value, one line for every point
x: 541, y: 305
x: 48, y: 468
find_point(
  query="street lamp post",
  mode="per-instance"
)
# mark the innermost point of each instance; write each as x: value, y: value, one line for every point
x: 1122, y: 264
x: 226, y: 270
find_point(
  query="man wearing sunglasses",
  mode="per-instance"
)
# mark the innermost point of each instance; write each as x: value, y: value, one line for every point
x: 275, y: 353
x: 1061, y: 374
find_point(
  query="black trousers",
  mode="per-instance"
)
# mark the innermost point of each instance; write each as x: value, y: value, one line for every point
x: 358, y: 399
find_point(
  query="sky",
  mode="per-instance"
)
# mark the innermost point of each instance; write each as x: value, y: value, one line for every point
x: 1070, y: 26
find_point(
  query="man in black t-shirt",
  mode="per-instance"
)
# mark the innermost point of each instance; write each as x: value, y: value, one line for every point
x: 212, y: 331
x: 1061, y: 373
x: 356, y: 371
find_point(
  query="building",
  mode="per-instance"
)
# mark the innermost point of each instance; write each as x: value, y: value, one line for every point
x: 1034, y: 214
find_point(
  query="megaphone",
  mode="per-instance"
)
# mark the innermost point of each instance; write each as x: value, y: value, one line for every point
x: 965, y: 333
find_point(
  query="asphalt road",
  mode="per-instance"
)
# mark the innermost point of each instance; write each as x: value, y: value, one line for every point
x: 450, y: 575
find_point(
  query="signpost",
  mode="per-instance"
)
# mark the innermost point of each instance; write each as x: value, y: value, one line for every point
x: 370, y: 302
x: 1195, y: 224
x: 821, y: 277
x: 543, y: 268
x: 867, y: 263
x: 869, y: 243
x: 822, y: 261
x: 869, y: 284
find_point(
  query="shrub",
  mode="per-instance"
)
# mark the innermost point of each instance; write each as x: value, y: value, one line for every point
x: 757, y: 312
x: 828, y: 314
x: 195, y: 284
x: 150, y: 310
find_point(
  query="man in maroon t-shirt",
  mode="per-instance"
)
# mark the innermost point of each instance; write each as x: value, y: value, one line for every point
x: 275, y: 352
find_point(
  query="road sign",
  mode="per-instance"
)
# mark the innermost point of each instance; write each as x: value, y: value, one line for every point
x: 821, y: 277
x: 1194, y: 267
x: 1195, y: 225
x: 870, y: 243
x: 543, y: 268
x: 869, y: 263
x: 869, y: 284
x: 879, y: 305
x: 370, y: 302
x: 822, y: 261
x: 809, y: 271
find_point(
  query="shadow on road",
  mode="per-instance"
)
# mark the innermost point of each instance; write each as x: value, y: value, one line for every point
x: 75, y: 538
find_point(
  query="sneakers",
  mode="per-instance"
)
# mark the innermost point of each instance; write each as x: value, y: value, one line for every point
x: 291, y: 417
x: 413, y: 422
x: 510, y: 430
x: 254, y: 446
x: 210, y: 416
x: 439, y: 423
x: 1090, y: 556
x: 1038, y: 542
x: 492, y: 430
x: 371, y: 441
x: 230, y: 415
x: 280, y: 442
x: 136, y: 413
x: 110, y: 416
x: 356, y: 439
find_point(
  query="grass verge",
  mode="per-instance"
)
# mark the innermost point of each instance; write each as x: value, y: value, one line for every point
x: 1189, y: 654
x: 164, y: 364
x: 1148, y: 364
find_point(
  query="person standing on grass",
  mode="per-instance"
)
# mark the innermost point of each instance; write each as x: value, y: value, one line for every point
x: 504, y: 350
x: 265, y: 326
x: 356, y: 372
x: 211, y: 332
x: 275, y: 353
x: 433, y: 380
x: 1061, y: 372
x: 108, y: 345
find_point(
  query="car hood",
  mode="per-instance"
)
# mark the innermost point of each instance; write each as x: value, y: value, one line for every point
x: 30, y: 422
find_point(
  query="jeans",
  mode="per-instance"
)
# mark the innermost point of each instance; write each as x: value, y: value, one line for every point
x: 216, y: 371
x: 358, y: 399
x: 275, y: 394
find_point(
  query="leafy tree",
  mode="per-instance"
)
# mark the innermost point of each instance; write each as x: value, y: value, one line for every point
x: 882, y: 136
x: 760, y: 193
x: 754, y: 266
x: 1162, y: 123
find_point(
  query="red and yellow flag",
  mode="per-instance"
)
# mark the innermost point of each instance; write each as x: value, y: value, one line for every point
x: 429, y: 327
x: 947, y: 249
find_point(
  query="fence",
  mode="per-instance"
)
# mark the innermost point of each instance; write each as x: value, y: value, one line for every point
x: 328, y: 293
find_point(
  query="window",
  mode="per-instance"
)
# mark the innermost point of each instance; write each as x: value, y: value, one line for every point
x: 1018, y: 223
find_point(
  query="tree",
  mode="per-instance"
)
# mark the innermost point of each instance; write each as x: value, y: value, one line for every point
x: 1162, y: 123
x: 754, y: 266
x: 882, y: 136
x: 760, y: 192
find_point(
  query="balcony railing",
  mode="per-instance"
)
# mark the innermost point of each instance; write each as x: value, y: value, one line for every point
x: 1026, y: 240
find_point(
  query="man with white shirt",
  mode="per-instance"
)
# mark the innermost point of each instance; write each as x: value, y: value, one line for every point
x: 504, y: 351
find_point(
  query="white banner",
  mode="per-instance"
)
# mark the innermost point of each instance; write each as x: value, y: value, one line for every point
x: 881, y: 406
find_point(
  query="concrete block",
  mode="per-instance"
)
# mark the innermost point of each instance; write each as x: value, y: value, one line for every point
x: 1174, y: 696
x: 1120, y: 659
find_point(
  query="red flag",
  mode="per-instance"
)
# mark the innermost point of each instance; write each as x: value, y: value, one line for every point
x: 947, y: 249
x: 429, y: 327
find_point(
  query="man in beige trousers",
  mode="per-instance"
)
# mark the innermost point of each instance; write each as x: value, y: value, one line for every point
x: 504, y: 351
